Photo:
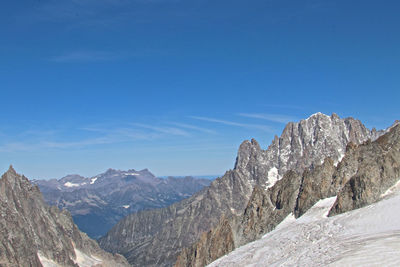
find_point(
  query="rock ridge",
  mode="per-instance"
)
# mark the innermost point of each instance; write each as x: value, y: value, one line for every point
x: 364, y: 174
x: 304, y: 144
x: 32, y: 233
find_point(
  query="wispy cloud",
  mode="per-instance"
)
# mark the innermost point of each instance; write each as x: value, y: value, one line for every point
x: 86, y: 56
x: 164, y: 130
x: 269, y: 117
x: 28, y: 146
x: 192, y: 127
x: 232, y: 123
x: 121, y: 134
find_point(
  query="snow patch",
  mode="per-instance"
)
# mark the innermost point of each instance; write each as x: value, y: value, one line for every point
x: 131, y: 173
x: 69, y: 184
x: 317, y: 114
x: 46, y: 262
x: 391, y: 190
x: 93, y: 180
x: 341, y: 156
x: 273, y: 177
x: 84, y: 260
x: 126, y: 206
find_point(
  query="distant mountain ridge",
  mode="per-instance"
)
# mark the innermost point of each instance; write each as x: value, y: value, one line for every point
x: 35, y: 234
x: 97, y: 203
x: 302, y: 145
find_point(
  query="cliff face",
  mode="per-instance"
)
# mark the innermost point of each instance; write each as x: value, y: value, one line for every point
x: 365, y: 173
x: 34, y: 234
x: 301, y: 145
x: 378, y: 170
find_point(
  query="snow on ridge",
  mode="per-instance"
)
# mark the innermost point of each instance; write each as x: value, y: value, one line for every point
x: 131, y: 173
x: 69, y: 184
x: 317, y: 114
x: 273, y: 177
x: 93, y: 180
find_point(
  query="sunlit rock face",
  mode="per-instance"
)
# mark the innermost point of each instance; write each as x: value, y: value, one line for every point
x: 155, y: 238
x: 35, y: 234
x: 362, y: 177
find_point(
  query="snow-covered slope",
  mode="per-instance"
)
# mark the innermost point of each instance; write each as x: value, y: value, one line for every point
x: 369, y: 236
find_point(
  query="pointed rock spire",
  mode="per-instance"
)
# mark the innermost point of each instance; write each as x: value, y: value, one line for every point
x: 11, y: 170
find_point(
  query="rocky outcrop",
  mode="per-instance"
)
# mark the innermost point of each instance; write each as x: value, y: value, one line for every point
x: 98, y: 203
x: 265, y: 209
x: 212, y: 244
x: 34, y: 234
x: 304, y: 144
x: 378, y: 170
x: 315, y: 185
x: 364, y: 174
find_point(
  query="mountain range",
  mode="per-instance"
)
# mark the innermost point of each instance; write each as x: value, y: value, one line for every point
x: 157, y: 237
x: 364, y: 174
x: 97, y: 203
x: 302, y: 197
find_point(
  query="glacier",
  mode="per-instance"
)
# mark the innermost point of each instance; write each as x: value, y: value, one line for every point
x: 369, y: 236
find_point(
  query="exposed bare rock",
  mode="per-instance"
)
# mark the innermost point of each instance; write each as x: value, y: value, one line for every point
x: 265, y: 209
x: 33, y: 234
x: 302, y: 145
x: 364, y: 174
x: 212, y: 244
x: 315, y: 185
x: 379, y: 169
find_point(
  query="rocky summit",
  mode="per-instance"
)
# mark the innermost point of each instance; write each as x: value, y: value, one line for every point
x: 97, y: 203
x: 35, y: 234
x: 362, y: 177
x: 157, y: 237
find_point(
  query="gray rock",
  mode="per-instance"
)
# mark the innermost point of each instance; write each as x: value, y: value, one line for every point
x: 378, y: 170
x: 29, y: 228
x: 98, y: 203
x: 366, y: 172
x: 302, y: 145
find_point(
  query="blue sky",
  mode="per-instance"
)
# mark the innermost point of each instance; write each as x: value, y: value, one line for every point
x: 175, y: 86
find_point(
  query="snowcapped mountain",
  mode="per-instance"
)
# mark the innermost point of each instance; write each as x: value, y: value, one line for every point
x: 97, y: 203
x: 302, y: 145
x: 35, y: 234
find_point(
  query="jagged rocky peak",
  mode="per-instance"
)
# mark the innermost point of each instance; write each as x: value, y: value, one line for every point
x: 34, y: 234
x: 301, y: 145
x: 367, y: 172
x: 247, y: 151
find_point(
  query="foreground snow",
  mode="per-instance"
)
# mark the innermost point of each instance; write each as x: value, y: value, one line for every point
x: 369, y: 236
x: 82, y: 260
